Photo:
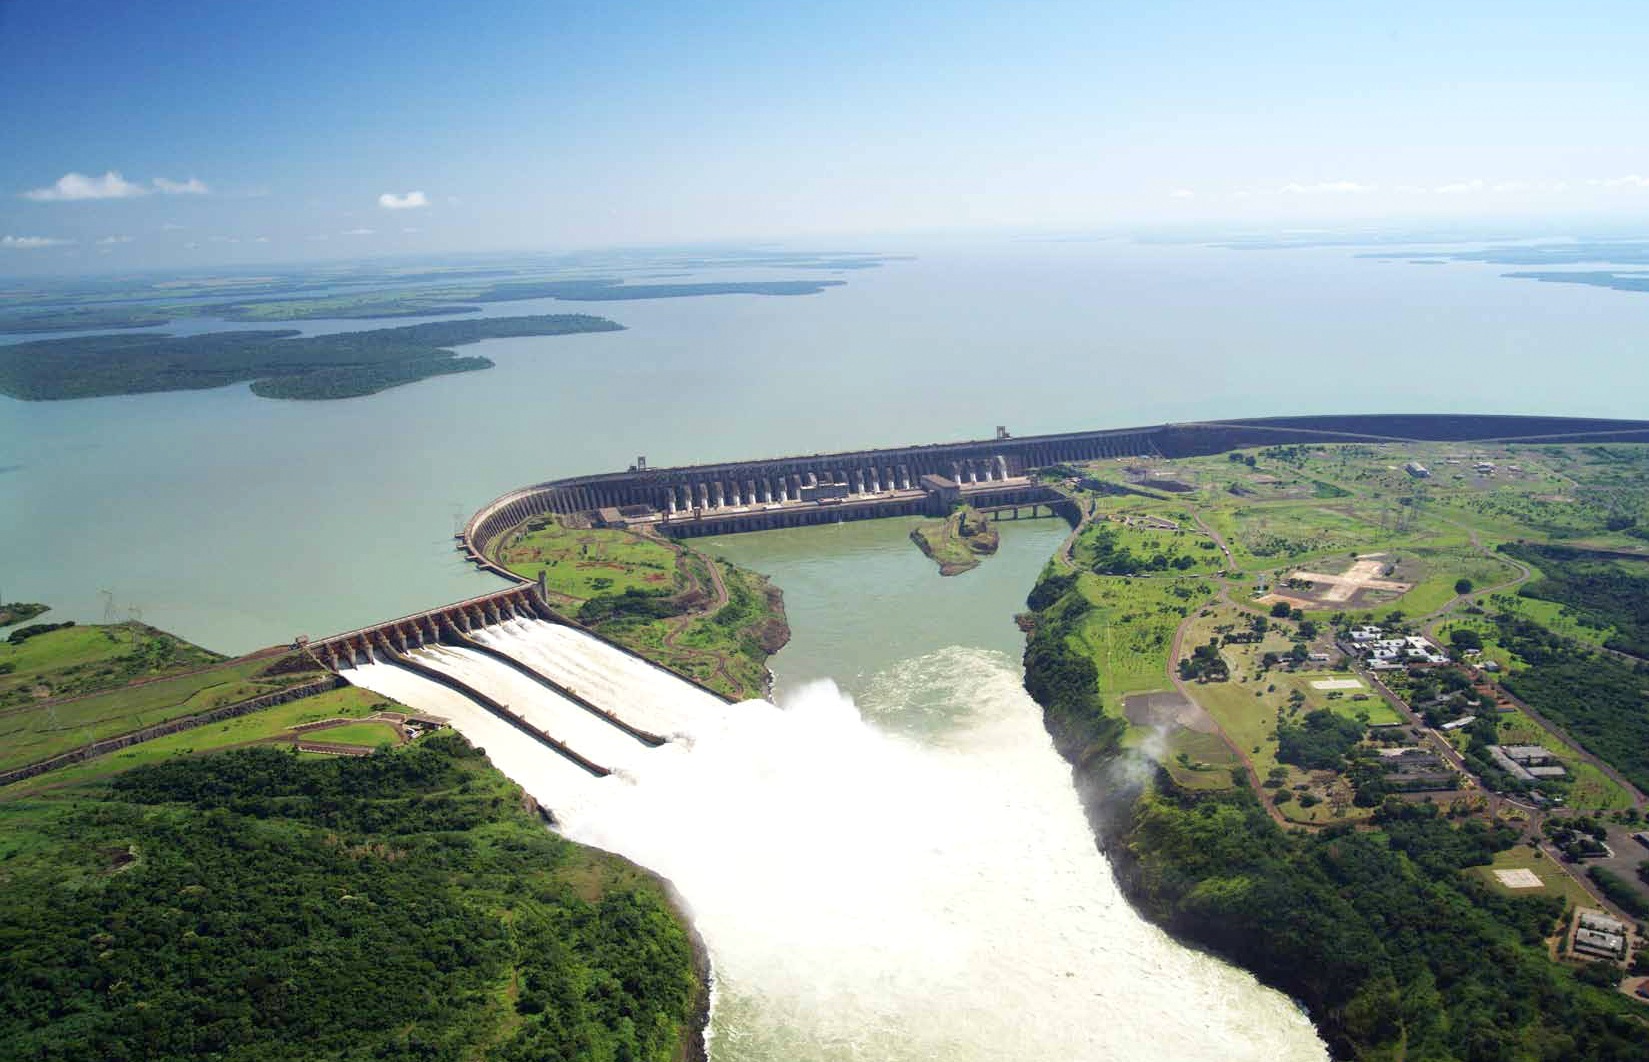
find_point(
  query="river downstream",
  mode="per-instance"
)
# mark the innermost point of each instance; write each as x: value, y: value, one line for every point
x: 892, y: 864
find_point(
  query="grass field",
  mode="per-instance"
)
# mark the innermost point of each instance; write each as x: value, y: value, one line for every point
x: 84, y: 659
x: 33, y: 733
x: 1441, y: 569
x: 1208, y: 760
x: 1130, y: 630
x: 1554, y: 882
x: 1249, y: 705
x: 1139, y: 530
x: 584, y: 562
x: 346, y: 703
x: 371, y: 734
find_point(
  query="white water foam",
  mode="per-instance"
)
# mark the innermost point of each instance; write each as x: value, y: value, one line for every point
x: 869, y: 896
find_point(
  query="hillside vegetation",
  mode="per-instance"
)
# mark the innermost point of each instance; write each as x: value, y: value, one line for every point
x: 260, y: 905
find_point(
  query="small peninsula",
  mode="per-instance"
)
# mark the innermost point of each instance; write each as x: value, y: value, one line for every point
x: 17, y: 611
x: 342, y: 365
x: 957, y: 542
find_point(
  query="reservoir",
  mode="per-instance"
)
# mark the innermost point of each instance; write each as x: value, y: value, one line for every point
x: 241, y: 522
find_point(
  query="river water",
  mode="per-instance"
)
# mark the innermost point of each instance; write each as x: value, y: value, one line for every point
x: 892, y: 864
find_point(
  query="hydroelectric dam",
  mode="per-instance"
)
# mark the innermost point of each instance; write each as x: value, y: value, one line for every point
x: 504, y: 666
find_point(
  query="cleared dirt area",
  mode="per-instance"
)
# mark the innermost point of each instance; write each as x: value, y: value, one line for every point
x: 1166, y: 709
x: 1519, y: 878
x: 1363, y: 579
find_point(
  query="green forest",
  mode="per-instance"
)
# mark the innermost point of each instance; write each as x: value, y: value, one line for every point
x: 260, y: 905
x: 1601, y: 592
x: 341, y: 365
x: 1597, y: 699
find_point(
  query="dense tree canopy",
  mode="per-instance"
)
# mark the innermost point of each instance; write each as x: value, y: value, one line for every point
x: 253, y: 905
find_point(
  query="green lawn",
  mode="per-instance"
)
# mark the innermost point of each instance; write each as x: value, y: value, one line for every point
x: 1247, y: 709
x: 584, y: 563
x: 1554, y: 882
x: 346, y: 703
x: 1208, y: 760
x: 1136, y: 529
x: 34, y: 733
x: 370, y: 734
x: 84, y: 659
x: 1130, y: 630
x: 1441, y: 569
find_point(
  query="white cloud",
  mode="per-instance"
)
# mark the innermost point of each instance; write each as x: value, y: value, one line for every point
x: 317, y: 237
x: 1630, y: 181
x: 193, y: 186
x: 31, y: 243
x: 261, y: 239
x: 409, y: 229
x: 171, y: 226
x: 1182, y: 193
x: 1459, y: 188
x: 357, y: 232
x: 403, y: 200
x: 191, y: 245
x: 107, y: 240
x: 1328, y: 187
x: 73, y: 186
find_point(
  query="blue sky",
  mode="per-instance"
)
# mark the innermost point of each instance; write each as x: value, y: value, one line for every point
x: 245, y: 132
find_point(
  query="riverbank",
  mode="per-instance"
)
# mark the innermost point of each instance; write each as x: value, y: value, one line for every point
x: 1391, y: 948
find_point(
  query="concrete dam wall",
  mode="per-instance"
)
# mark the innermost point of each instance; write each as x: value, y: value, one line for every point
x: 693, y: 500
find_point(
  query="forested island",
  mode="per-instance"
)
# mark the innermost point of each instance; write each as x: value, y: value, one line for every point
x: 366, y: 293
x: 341, y: 365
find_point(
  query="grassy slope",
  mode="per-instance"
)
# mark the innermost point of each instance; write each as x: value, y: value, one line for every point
x: 99, y: 656
x: 85, y: 659
x: 271, y: 724
x: 726, y: 650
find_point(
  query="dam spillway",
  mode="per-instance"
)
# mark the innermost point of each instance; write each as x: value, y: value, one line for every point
x: 555, y: 706
x: 639, y: 693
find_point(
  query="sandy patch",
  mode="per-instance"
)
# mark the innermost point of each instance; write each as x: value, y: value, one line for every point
x: 1338, y: 684
x: 1521, y: 878
x: 1364, y: 574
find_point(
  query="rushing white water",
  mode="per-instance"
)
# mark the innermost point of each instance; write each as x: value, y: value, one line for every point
x: 868, y: 896
x: 637, y: 692
x: 586, y: 733
x: 545, y: 774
